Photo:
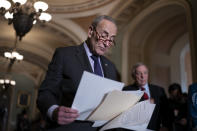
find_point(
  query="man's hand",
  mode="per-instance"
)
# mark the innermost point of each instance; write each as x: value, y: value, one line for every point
x: 64, y: 115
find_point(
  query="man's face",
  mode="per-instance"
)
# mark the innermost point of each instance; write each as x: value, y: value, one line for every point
x: 102, y: 37
x: 175, y: 94
x: 141, y: 75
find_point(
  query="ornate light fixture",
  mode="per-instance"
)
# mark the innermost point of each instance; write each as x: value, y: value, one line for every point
x: 12, y: 56
x: 24, y: 14
x: 5, y: 83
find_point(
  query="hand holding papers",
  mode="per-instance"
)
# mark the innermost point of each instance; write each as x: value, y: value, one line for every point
x: 91, y: 91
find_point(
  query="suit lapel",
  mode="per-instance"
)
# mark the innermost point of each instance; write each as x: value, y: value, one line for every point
x: 135, y: 87
x: 83, y: 58
x: 151, y: 90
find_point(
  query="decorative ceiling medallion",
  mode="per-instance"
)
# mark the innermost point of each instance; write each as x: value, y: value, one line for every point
x: 71, y: 7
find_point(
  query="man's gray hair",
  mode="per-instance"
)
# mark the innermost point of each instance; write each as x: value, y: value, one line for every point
x: 133, y: 70
x: 96, y: 21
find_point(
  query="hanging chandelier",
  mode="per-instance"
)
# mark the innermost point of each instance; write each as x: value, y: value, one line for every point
x: 13, y: 56
x: 23, y: 14
x: 6, y: 83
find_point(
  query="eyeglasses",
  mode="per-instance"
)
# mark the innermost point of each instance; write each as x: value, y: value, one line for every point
x: 104, y: 38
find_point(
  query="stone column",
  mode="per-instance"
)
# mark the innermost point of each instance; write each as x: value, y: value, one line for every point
x: 193, y: 37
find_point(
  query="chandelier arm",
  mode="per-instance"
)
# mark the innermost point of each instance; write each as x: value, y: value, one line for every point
x: 10, y: 65
x: 15, y: 42
x: 2, y: 11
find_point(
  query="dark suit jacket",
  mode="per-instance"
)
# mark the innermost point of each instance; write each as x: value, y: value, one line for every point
x: 192, y: 106
x: 160, y: 113
x: 62, y: 80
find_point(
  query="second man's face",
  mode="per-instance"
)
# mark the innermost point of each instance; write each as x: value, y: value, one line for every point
x: 102, y: 37
x: 141, y: 75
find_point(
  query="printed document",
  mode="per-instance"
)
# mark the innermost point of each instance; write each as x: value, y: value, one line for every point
x: 135, y: 118
x: 92, y: 89
x: 113, y: 104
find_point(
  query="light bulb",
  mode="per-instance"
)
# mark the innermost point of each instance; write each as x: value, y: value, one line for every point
x: 7, y: 81
x: 20, y: 1
x: 15, y: 54
x: 5, y: 4
x: 39, y: 5
x: 19, y: 57
x: 45, y: 16
x: 1, y: 81
x: 7, y: 54
x: 8, y: 15
x: 12, y: 82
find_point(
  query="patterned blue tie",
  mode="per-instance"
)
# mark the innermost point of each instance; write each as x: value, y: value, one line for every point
x: 97, y: 67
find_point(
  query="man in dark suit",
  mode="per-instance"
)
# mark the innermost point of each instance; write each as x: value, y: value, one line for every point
x: 192, y: 105
x: 57, y: 91
x: 155, y: 93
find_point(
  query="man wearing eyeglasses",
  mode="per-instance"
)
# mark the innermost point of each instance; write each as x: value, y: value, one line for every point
x: 160, y: 118
x: 57, y: 91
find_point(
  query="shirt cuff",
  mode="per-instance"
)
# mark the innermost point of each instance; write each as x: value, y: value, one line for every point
x: 50, y: 111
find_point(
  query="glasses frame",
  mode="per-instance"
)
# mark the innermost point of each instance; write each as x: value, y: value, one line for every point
x: 102, y: 38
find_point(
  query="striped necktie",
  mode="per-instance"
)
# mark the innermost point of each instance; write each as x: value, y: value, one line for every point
x: 97, y: 67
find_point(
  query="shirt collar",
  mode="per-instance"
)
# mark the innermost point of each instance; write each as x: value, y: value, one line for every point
x: 146, y: 87
x: 87, y: 49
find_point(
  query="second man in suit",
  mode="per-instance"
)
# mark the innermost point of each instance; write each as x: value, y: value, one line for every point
x: 155, y: 93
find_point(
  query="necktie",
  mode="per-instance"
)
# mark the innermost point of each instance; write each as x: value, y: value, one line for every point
x: 145, y: 96
x: 97, y: 67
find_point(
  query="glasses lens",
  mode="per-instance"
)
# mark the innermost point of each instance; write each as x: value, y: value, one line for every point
x: 104, y: 38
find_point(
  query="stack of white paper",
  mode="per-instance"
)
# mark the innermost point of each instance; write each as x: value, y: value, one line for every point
x: 101, y: 100
x: 91, y: 90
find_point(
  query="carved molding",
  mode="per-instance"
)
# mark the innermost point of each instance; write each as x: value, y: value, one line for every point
x: 81, y: 6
